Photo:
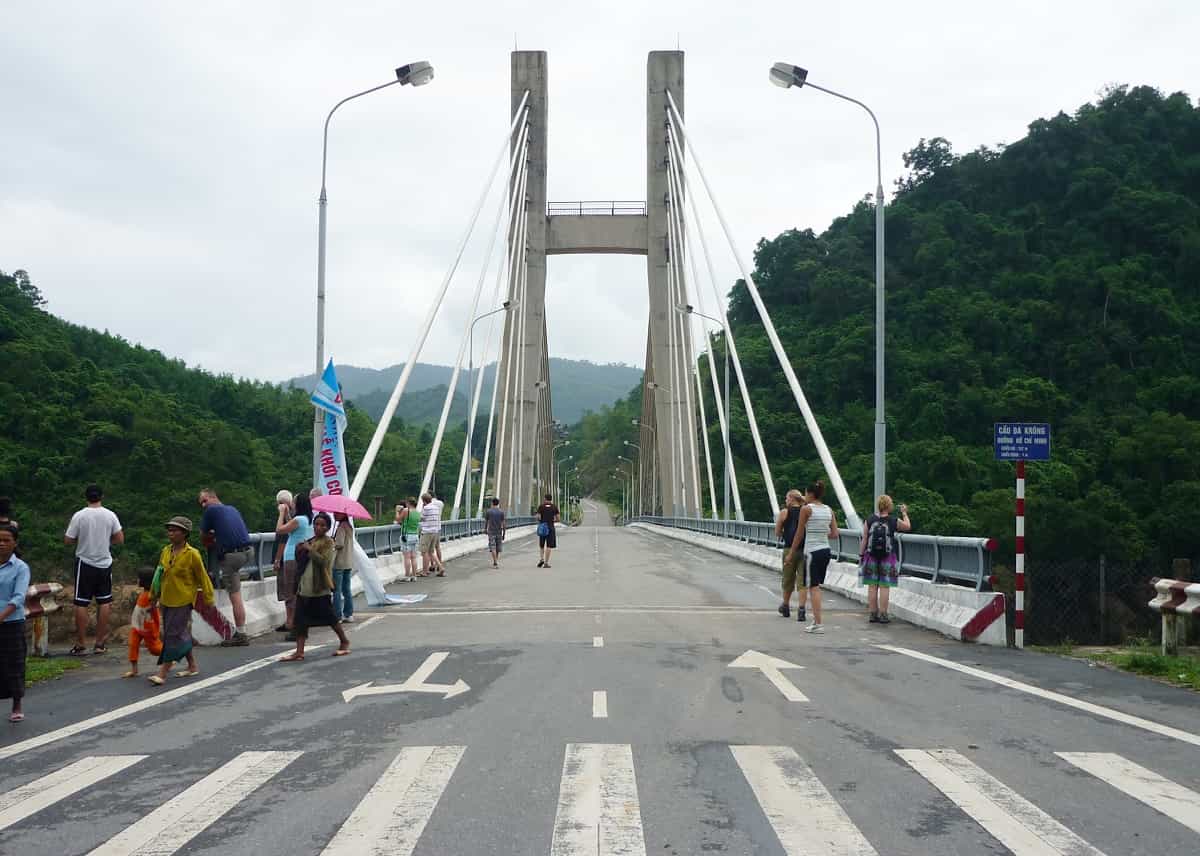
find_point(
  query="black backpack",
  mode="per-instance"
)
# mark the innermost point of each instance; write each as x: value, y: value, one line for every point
x: 879, y: 539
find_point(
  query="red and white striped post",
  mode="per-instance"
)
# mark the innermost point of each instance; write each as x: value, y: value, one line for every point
x: 1020, y: 564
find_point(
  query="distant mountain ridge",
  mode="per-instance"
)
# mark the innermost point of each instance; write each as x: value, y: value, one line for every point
x: 576, y: 386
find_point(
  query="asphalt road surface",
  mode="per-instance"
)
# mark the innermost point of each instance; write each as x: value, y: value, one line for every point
x: 630, y: 699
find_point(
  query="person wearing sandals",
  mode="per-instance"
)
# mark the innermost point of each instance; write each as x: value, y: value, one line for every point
x: 409, y: 522
x: 298, y: 529
x: 182, y: 575
x: 879, y: 568
x: 14, y: 582
x: 314, y: 590
x: 93, y: 531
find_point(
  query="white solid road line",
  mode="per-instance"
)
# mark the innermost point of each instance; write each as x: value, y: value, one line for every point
x: 1175, y: 801
x: 806, y: 818
x: 20, y: 803
x: 393, y: 814
x: 365, y: 624
x: 597, y: 641
x: 176, y: 822
x: 1078, y: 704
x: 599, y: 704
x: 598, y: 812
x: 1015, y: 822
x: 138, y: 706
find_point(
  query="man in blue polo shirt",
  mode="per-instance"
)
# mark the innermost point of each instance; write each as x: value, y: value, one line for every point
x: 222, y: 526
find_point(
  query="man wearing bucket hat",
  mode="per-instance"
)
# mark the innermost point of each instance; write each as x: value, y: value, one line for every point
x: 179, y: 575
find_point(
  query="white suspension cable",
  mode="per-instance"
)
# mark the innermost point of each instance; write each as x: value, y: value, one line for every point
x: 464, y: 466
x: 688, y: 354
x: 685, y: 249
x: 517, y: 256
x: 364, y: 469
x: 514, y: 445
x: 487, y: 446
x: 677, y: 177
x: 764, y: 466
x: 810, y: 419
x: 466, y: 335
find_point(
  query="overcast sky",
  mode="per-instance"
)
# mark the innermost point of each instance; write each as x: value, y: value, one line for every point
x: 160, y: 162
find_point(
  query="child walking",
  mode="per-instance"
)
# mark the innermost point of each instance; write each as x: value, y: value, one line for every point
x: 145, y: 625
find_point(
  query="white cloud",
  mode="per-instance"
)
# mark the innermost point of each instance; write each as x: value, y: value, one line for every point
x: 156, y: 150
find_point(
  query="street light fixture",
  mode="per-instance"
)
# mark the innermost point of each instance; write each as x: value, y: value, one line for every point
x: 688, y: 309
x: 504, y: 307
x: 414, y: 74
x: 786, y: 75
x: 653, y: 464
x: 558, y: 469
x: 641, y: 474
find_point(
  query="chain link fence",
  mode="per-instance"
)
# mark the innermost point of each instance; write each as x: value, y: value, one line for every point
x: 1085, y: 602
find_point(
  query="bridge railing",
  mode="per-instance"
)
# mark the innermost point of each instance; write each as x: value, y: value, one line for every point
x: 375, y: 540
x: 941, y: 558
x: 595, y: 208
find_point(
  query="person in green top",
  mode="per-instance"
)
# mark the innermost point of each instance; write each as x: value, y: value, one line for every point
x: 179, y: 576
x: 410, y: 532
x: 314, y: 589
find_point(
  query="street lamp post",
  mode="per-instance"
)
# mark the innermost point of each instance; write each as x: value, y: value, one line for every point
x: 786, y: 75
x: 653, y: 465
x: 690, y: 310
x: 641, y: 476
x: 508, y: 304
x: 629, y: 496
x: 558, y: 469
x: 415, y: 74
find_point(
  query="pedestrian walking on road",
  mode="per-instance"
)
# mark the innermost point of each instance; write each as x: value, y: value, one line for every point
x: 182, y: 574
x: 298, y: 530
x: 495, y: 525
x: 145, y: 625
x: 410, y: 533
x: 820, y: 530
x: 343, y: 568
x: 791, y: 535
x: 548, y: 515
x: 223, y: 528
x: 14, y: 582
x: 437, y: 547
x: 879, y: 568
x: 93, y: 530
x: 431, y: 528
x: 314, y: 593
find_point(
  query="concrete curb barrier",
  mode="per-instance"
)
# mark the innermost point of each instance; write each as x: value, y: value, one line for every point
x: 39, y: 602
x: 960, y: 613
x: 264, y: 612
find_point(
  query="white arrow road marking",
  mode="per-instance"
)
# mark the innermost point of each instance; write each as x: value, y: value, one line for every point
x: 414, y: 684
x: 770, y: 666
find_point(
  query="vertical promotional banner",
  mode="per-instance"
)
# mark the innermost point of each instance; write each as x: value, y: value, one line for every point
x: 331, y: 464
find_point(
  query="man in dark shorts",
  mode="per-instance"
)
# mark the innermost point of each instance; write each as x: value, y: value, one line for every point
x: 547, y: 514
x: 222, y: 527
x: 93, y: 530
x: 786, y: 525
x: 495, y: 524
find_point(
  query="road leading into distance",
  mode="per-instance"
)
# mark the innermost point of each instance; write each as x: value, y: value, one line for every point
x: 640, y: 696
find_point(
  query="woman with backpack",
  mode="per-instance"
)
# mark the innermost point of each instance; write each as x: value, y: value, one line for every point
x: 879, y: 568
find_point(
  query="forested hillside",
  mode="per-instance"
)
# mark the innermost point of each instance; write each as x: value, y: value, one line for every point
x: 1055, y: 279
x: 82, y: 406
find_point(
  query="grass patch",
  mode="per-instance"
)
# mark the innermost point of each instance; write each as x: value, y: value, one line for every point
x: 38, y: 669
x: 1183, y: 671
x: 1066, y: 649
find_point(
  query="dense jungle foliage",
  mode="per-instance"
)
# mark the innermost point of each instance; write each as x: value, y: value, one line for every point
x: 81, y: 406
x: 1056, y: 279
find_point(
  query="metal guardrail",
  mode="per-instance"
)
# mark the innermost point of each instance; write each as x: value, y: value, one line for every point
x: 593, y: 208
x: 941, y: 558
x: 375, y: 540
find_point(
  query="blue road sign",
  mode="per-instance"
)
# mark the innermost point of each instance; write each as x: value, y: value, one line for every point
x: 1022, y: 441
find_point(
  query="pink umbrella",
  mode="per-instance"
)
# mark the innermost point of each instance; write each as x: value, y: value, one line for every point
x: 339, y: 504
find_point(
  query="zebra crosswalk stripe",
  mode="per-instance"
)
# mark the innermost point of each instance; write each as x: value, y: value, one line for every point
x: 177, y: 821
x: 20, y: 803
x: 1164, y: 796
x: 806, y: 818
x: 1015, y: 822
x: 598, y: 811
x: 393, y: 814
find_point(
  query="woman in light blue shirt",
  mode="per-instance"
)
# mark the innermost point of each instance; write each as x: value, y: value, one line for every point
x: 298, y: 530
x: 14, y: 582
